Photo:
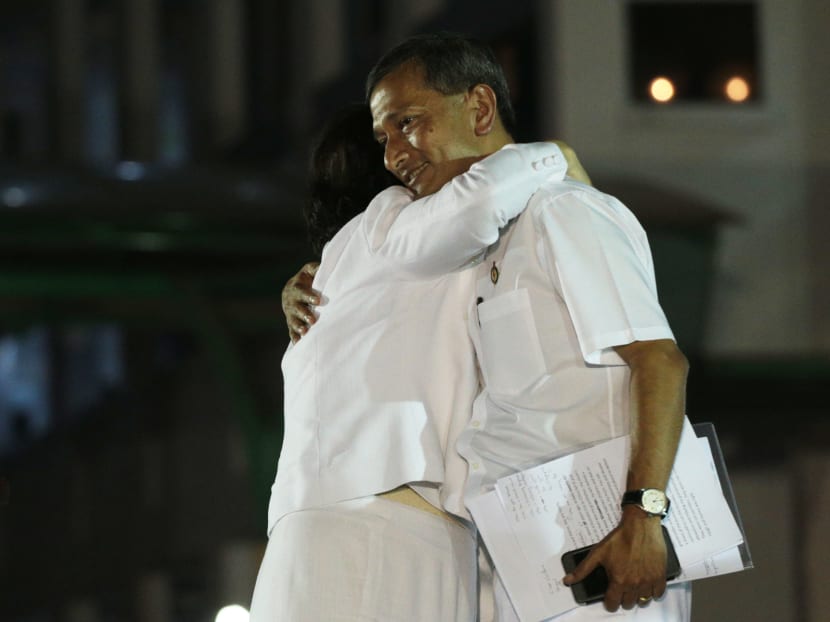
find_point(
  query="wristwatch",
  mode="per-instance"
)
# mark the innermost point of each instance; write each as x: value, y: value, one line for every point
x: 652, y: 501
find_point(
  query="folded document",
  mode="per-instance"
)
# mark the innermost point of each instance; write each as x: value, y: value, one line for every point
x: 536, y: 515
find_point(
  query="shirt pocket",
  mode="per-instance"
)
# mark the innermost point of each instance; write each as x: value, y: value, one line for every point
x: 511, y: 355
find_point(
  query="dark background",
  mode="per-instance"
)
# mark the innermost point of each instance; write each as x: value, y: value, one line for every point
x: 152, y: 155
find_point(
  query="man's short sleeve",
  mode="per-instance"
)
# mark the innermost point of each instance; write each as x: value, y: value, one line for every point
x: 598, y: 258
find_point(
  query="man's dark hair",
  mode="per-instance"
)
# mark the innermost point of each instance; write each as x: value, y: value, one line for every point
x: 452, y: 63
x: 346, y: 171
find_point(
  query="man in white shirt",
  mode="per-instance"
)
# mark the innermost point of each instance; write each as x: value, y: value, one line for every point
x: 571, y: 341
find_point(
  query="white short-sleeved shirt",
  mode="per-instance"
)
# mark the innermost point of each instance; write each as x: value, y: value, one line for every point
x: 568, y: 280
x: 378, y: 390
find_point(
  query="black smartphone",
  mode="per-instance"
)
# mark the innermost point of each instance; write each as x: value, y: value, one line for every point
x: 592, y: 588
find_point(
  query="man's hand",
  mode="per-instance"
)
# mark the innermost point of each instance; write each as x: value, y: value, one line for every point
x: 297, y: 301
x: 634, y: 558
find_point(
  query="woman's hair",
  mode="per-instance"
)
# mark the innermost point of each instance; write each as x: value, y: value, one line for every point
x: 345, y: 173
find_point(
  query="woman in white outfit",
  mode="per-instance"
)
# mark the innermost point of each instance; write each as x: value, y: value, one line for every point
x: 366, y: 519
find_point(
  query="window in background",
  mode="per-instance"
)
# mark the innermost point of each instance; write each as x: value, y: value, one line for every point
x: 694, y: 52
x: 91, y: 362
x: 101, y: 139
x: 23, y: 84
x: 24, y: 389
x: 173, y: 131
x: 54, y: 375
x: 179, y: 43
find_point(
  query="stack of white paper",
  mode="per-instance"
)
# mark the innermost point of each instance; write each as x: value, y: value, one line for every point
x: 535, y: 516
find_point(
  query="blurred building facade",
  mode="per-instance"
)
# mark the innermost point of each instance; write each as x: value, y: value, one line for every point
x: 164, y: 141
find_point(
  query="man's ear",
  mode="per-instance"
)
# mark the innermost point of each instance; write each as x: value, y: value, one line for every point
x: 483, y: 103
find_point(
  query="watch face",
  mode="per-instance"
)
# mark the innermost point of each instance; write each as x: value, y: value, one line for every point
x: 654, y: 501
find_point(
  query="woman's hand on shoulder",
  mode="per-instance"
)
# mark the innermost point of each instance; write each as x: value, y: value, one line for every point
x: 575, y: 169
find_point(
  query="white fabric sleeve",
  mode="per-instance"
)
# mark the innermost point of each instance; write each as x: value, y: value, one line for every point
x: 439, y: 233
x: 599, y: 260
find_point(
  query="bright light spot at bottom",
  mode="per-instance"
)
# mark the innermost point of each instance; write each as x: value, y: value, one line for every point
x: 233, y: 613
x: 661, y: 89
x: 737, y: 89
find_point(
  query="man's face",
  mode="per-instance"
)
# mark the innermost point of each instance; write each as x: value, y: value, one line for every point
x: 428, y: 137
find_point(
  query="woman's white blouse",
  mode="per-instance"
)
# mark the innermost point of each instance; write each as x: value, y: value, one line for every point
x: 379, y: 389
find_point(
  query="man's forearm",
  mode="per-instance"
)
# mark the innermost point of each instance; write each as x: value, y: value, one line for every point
x: 658, y: 396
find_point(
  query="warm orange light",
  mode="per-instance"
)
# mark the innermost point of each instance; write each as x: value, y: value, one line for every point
x: 737, y: 89
x: 661, y: 90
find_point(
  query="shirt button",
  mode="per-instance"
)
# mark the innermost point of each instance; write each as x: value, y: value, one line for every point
x: 476, y: 424
x: 475, y: 466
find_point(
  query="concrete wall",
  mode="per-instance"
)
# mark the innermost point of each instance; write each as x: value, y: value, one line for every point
x: 752, y: 161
